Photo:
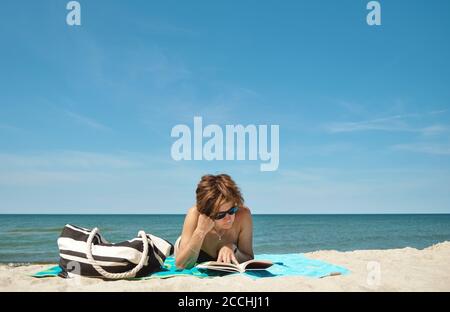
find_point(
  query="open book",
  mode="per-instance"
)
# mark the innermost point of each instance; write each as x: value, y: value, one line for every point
x: 250, y: 265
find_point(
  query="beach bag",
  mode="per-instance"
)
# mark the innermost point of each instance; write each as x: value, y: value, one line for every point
x: 85, y: 252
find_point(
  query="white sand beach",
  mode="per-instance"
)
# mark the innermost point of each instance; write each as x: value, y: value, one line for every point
x: 406, y: 269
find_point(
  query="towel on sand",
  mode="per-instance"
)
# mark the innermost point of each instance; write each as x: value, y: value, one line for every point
x: 284, y: 265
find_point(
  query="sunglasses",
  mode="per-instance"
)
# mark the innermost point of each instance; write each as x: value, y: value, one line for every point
x: 222, y: 214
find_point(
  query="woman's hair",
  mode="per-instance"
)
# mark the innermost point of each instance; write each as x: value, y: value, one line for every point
x: 215, y: 190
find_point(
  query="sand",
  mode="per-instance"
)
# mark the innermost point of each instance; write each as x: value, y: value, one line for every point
x: 406, y: 269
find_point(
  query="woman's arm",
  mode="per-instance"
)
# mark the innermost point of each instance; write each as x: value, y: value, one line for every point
x: 195, y: 227
x: 244, y: 251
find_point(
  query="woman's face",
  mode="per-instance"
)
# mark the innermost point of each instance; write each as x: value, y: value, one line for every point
x: 226, y: 222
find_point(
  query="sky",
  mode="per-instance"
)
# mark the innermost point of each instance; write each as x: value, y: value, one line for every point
x: 86, y: 112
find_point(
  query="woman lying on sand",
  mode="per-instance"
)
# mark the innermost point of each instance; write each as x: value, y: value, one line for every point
x: 218, y: 228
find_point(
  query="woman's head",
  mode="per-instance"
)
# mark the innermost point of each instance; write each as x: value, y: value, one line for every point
x: 217, y: 194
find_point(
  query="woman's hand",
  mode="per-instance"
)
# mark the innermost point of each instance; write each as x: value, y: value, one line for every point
x: 205, y: 223
x: 226, y: 254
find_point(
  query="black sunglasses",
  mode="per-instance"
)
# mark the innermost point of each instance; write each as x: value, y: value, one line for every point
x: 222, y: 214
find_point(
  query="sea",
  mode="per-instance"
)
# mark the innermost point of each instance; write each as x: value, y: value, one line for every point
x: 33, y: 238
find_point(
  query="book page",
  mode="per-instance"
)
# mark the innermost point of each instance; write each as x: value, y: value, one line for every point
x: 221, y: 266
x: 230, y: 267
x: 256, y: 265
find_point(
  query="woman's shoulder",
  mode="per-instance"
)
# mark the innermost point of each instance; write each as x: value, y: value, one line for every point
x: 244, y: 213
x: 243, y: 218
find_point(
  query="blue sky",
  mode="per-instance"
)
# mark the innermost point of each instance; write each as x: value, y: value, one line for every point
x: 86, y: 112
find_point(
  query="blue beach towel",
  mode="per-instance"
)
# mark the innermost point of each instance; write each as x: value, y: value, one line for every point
x: 297, y: 265
x: 284, y: 265
x: 50, y: 272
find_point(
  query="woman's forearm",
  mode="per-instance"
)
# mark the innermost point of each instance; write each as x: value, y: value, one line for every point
x: 187, y: 257
x: 242, y: 256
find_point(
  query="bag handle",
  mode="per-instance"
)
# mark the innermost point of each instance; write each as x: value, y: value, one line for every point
x: 109, y: 275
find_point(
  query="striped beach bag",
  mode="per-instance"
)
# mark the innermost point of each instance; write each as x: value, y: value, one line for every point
x: 85, y: 252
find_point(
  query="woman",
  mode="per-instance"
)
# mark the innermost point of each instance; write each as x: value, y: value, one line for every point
x: 218, y: 228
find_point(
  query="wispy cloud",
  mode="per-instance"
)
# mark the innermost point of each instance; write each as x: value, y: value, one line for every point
x: 62, y: 167
x: 8, y: 127
x: 69, y: 159
x: 394, y: 123
x: 436, y: 112
x: 434, y: 130
x: 224, y: 106
x: 54, y: 177
x: 87, y: 121
x: 391, y: 123
x: 88, y: 173
x: 424, y: 148
x: 351, y: 107
x: 163, y: 28
x: 164, y: 72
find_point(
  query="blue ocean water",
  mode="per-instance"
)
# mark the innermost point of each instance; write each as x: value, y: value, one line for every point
x: 32, y: 238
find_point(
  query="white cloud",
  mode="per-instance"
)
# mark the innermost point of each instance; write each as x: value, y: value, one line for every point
x: 7, y: 127
x: 67, y: 167
x: 395, y: 123
x: 434, y: 130
x: 391, y: 123
x: 425, y: 148
x: 162, y: 27
x: 436, y: 112
x: 322, y: 190
x: 47, y: 177
x: 68, y: 159
x: 163, y: 71
x: 87, y: 121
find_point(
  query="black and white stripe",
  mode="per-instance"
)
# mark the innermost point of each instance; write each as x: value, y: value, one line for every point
x: 113, y: 258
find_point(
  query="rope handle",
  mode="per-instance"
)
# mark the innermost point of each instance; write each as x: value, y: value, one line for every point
x: 109, y: 275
